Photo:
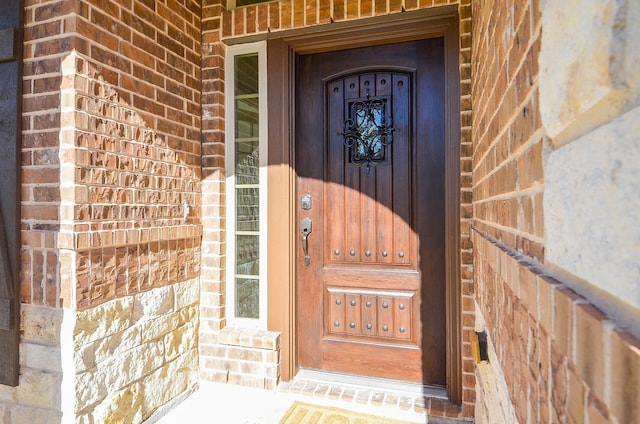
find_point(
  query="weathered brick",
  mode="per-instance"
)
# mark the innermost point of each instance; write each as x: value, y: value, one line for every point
x: 589, y: 351
x: 624, y: 377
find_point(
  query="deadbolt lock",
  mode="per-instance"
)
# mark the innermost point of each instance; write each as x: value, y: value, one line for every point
x: 305, y: 202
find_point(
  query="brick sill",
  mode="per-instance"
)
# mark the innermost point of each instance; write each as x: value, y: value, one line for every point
x: 249, y: 337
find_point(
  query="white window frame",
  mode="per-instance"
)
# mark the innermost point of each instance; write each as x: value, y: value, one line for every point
x: 232, y: 51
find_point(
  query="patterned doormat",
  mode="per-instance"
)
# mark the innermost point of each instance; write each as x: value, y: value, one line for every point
x: 305, y: 413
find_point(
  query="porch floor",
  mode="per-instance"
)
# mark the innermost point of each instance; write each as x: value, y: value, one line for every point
x: 231, y: 404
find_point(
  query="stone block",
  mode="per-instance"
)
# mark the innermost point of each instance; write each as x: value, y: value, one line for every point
x: 21, y: 414
x: 116, y: 344
x: 186, y: 293
x: 7, y: 394
x: 189, y: 314
x: 592, y: 184
x: 588, y: 64
x: 168, y: 382
x: 4, y: 413
x: 493, y: 403
x: 103, y: 320
x: 40, y: 325
x: 40, y: 389
x: 90, y: 388
x: 120, y: 407
x: 153, y: 303
x: 157, y: 328
x: 179, y: 341
x: 46, y: 358
x: 120, y: 371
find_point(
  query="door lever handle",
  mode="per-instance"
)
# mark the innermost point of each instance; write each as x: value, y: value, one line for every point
x: 305, y: 228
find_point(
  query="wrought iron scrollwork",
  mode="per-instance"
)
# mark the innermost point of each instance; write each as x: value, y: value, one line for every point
x: 368, y: 131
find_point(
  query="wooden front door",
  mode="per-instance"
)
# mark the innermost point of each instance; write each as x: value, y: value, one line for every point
x: 370, y: 282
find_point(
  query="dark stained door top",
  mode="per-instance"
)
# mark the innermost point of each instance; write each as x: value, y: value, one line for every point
x: 372, y: 299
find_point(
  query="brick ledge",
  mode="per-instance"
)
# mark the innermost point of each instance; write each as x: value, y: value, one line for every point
x: 249, y: 337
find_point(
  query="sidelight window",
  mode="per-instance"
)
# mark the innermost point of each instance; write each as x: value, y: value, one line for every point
x: 246, y: 185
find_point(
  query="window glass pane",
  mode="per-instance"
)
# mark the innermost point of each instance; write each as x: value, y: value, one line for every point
x: 247, y: 186
x: 246, y: 75
x: 247, y: 209
x: 247, y: 250
x: 247, y: 298
x: 247, y: 119
x: 247, y: 162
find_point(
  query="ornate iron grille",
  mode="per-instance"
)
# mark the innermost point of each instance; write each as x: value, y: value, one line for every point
x: 367, y: 131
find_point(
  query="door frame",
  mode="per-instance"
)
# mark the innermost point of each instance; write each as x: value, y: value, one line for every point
x: 282, y: 197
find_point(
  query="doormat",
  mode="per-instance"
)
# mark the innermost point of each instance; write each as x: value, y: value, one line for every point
x: 305, y: 413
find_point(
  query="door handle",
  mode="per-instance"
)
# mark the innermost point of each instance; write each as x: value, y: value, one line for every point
x: 305, y: 228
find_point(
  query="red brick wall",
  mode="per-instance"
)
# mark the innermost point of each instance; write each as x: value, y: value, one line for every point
x: 291, y: 14
x: 507, y: 134
x: 111, y: 155
x: 213, y: 172
x: 45, y: 41
x: 466, y: 245
x: 561, y: 357
x: 107, y: 175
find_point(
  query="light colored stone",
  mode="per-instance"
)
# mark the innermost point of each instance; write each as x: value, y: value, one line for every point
x: 68, y: 353
x: 46, y: 358
x: 113, y: 359
x: 189, y: 314
x: 92, y: 353
x: 83, y: 419
x: 170, y: 381
x: 588, y: 64
x: 493, y: 404
x: 120, y: 407
x: 7, y: 394
x: 187, y: 293
x: 153, y: 303
x: 84, y: 357
x: 103, y: 320
x: 122, y: 370
x: 116, y: 344
x: 40, y: 324
x: 39, y: 388
x: 90, y: 388
x: 591, y: 199
x: 179, y: 341
x: 159, y: 327
x: 21, y: 414
x: 4, y: 414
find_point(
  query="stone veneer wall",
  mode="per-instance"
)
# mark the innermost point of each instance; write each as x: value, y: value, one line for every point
x: 110, y: 212
x: 218, y: 359
x: 135, y: 354
x: 555, y: 355
x: 37, y: 399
